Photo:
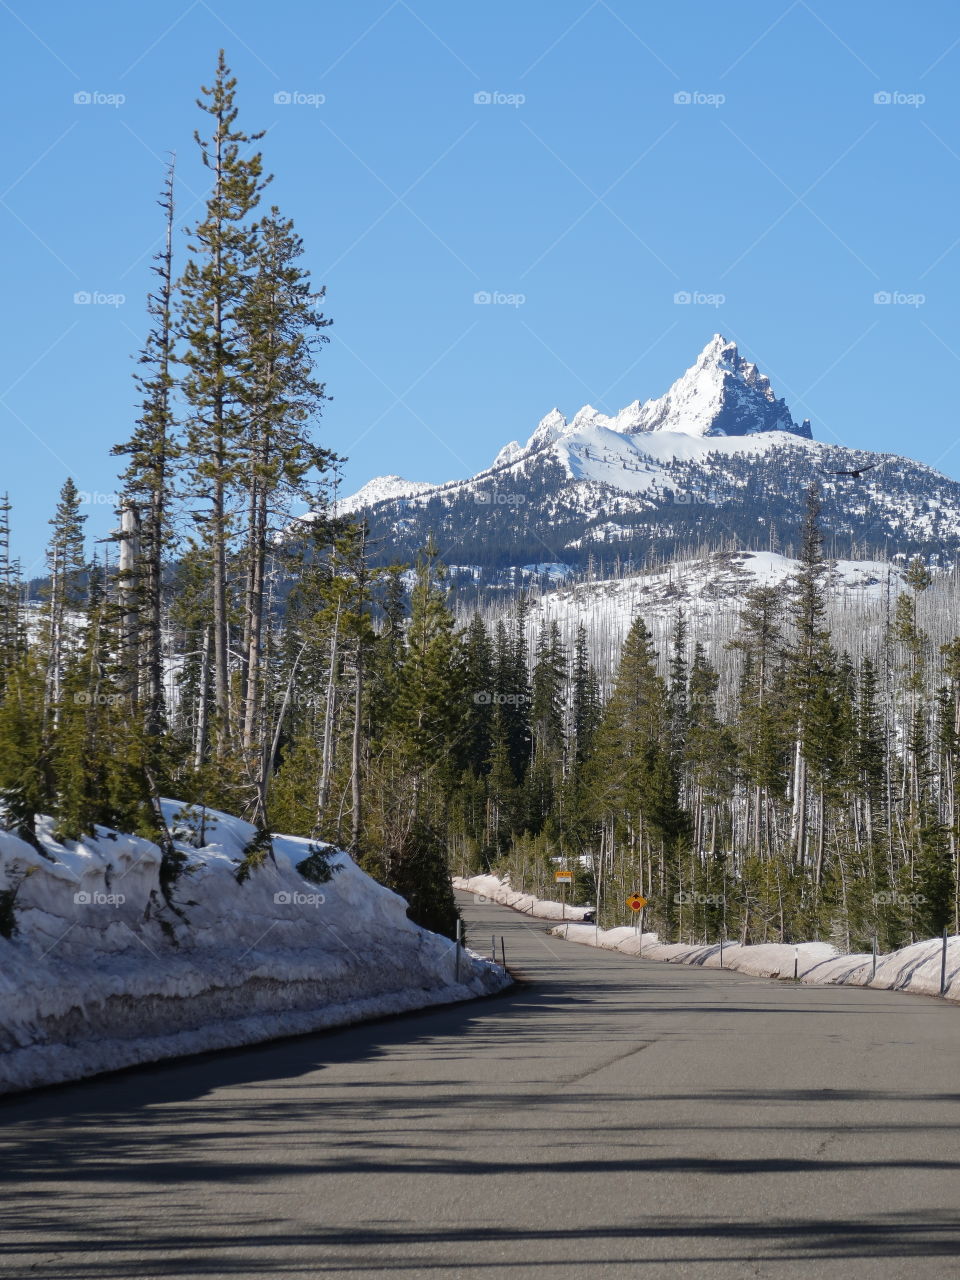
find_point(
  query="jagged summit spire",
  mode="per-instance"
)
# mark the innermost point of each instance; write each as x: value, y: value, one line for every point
x: 717, y: 344
x: 721, y: 394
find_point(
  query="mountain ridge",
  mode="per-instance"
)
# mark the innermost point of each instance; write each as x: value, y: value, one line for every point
x: 717, y: 461
x: 721, y: 395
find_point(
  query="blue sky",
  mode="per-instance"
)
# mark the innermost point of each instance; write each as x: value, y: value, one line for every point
x: 584, y: 187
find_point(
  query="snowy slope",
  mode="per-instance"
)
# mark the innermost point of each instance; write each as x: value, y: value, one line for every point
x: 710, y: 591
x: 102, y: 973
x: 720, y: 394
x: 380, y: 489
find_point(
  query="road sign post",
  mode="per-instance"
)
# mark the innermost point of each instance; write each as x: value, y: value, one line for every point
x: 637, y: 904
x: 563, y: 878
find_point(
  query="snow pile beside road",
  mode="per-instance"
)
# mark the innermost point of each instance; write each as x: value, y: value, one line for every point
x: 490, y: 889
x: 913, y: 968
x: 104, y: 972
x: 763, y: 960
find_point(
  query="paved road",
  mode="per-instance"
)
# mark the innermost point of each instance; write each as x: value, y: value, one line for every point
x: 611, y: 1117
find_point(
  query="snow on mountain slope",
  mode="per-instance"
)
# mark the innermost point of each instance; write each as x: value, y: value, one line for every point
x: 509, y: 453
x: 380, y: 489
x: 718, y: 461
x: 721, y: 394
x: 720, y: 404
x: 635, y: 464
x: 710, y: 592
x: 102, y: 973
x: 593, y: 453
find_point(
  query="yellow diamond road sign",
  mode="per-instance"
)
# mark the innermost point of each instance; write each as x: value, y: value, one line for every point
x: 636, y: 902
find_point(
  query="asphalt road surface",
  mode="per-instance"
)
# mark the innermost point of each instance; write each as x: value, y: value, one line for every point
x: 608, y: 1117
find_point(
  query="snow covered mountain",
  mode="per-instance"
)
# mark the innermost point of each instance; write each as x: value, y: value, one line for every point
x: 721, y: 394
x: 716, y: 462
x: 380, y: 489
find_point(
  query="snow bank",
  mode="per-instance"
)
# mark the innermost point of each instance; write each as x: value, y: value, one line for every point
x: 103, y: 973
x: 490, y: 889
x: 914, y: 968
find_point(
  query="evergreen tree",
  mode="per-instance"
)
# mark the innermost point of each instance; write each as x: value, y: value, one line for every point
x: 478, y: 676
x: 637, y: 786
x: 413, y: 764
x: 810, y: 660
x: 679, y: 710
x: 12, y: 637
x: 585, y: 699
x: 548, y: 697
x: 151, y: 451
x: 26, y: 784
x: 67, y: 572
x: 278, y: 461
x: 214, y: 291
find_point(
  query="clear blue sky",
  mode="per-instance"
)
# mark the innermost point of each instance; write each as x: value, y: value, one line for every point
x: 598, y: 198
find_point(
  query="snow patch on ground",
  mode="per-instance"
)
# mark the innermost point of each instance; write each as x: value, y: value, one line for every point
x: 915, y: 968
x: 103, y: 973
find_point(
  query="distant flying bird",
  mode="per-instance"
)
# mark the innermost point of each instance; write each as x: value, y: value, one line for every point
x: 854, y: 474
